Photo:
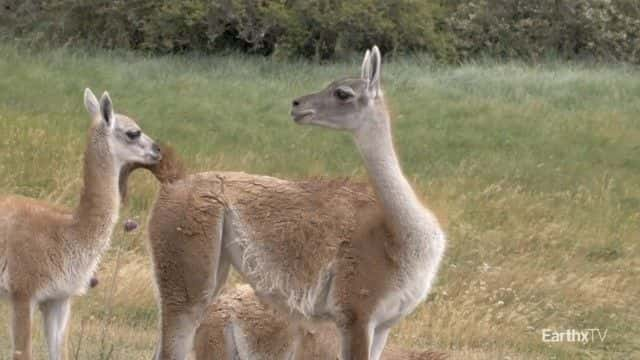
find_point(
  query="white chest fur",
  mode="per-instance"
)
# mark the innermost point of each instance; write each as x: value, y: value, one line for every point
x: 75, y: 274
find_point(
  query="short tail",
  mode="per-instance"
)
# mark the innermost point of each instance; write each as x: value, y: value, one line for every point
x: 170, y: 168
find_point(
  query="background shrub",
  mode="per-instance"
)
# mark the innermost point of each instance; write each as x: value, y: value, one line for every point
x: 314, y: 28
x: 596, y: 29
x: 454, y: 30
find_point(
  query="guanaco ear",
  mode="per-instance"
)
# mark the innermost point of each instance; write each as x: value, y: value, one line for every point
x: 375, y: 63
x: 106, y: 109
x: 365, y: 66
x: 91, y: 103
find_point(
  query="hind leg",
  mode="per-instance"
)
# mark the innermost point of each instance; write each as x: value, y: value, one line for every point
x: 179, y: 324
x: 178, y: 330
x: 189, y: 272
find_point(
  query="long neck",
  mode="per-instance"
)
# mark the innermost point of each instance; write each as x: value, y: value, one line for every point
x: 97, y: 211
x: 408, y: 217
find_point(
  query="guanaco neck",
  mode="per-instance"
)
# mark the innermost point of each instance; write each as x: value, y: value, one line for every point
x: 409, y: 219
x: 97, y: 211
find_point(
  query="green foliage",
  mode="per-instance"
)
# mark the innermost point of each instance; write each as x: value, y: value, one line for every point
x: 316, y: 28
x: 595, y: 29
x: 324, y: 28
x: 175, y: 25
x: 160, y: 25
x: 456, y: 30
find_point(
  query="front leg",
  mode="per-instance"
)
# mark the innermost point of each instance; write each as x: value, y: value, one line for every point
x: 21, y: 314
x: 55, y: 316
x: 179, y: 322
x: 178, y: 328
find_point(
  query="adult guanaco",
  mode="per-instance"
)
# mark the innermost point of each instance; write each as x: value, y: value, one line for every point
x: 327, y: 250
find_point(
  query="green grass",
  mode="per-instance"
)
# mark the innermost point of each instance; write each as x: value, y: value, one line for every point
x: 535, y: 172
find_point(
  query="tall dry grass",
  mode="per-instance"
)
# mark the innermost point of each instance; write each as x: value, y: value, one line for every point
x: 534, y: 170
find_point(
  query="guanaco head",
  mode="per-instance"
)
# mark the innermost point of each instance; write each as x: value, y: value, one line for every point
x: 345, y: 104
x: 127, y: 143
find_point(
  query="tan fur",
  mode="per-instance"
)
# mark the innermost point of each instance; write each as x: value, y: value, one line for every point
x: 272, y: 335
x: 49, y: 253
x: 319, y: 250
x: 170, y: 168
x: 303, y: 231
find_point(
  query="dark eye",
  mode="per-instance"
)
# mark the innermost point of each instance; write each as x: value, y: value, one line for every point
x: 132, y: 135
x: 343, y: 94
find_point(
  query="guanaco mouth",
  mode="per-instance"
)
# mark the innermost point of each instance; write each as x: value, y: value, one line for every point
x: 298, y: 116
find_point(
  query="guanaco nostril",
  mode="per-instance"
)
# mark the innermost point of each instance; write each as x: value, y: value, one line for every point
x: 155, y: 148
x: 295, y: 103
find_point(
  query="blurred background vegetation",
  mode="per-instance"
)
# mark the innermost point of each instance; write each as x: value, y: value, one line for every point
x: 449, y: 31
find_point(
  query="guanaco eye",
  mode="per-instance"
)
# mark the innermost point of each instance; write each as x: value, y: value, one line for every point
x: 132, y: 135
x: 343, y: 94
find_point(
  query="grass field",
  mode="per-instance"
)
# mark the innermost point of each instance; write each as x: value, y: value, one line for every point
x: 535, y: 172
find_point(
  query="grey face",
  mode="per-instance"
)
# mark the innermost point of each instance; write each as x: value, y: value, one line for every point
x: 127, y: 143
x: 337, y: 106
x: 345, y: 104
x: 130, y: 145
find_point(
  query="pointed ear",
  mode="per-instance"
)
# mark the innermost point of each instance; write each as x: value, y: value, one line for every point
x: 91, y: 103
x: 106, y: 109
x: 365, y: 66
x: 375, y: 63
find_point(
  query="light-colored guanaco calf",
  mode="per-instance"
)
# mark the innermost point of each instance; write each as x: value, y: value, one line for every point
x: 238, y: 326
x: 48, y: 253
x: 358, y: 256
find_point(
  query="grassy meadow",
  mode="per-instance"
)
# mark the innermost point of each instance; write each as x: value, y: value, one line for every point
x: 533, y: 170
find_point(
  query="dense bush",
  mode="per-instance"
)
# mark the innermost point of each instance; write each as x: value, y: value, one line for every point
x: 596, y: 29
x: 324, y: 27
x: 133, y: 24
x: 448, y: 30
x: 311, y: 28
